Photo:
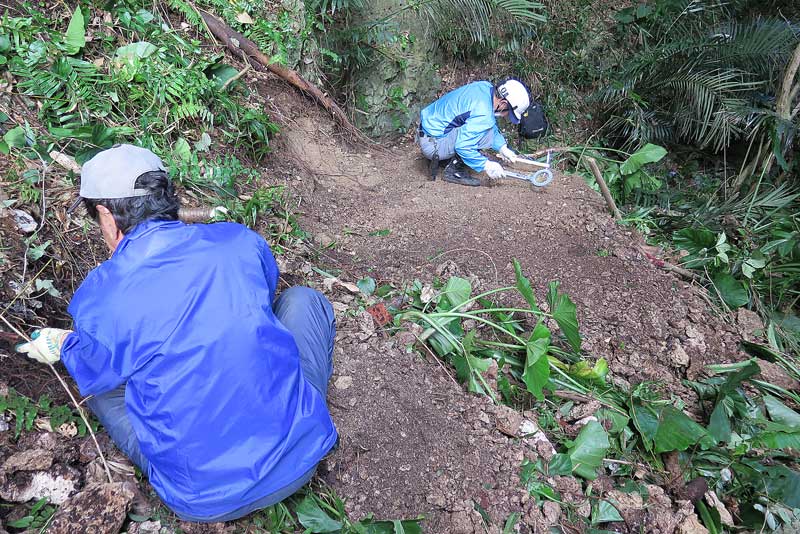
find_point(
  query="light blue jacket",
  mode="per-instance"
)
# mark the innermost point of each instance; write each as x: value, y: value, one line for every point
x: 215, y: 393
x: 469, y: 109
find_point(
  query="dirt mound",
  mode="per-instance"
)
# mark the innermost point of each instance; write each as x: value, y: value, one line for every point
x: 648, y: 324
x: 413, y: 443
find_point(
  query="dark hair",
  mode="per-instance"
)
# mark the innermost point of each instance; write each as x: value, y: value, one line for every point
x: 161, y: 204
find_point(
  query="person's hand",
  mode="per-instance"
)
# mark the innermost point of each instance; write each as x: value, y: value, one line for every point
x: 508, y: 154
x: 45, y: 345
x: 494, y: 170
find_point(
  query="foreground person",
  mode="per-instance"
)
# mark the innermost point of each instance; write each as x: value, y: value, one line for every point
x: 462, y: 122
x: 214, y: 388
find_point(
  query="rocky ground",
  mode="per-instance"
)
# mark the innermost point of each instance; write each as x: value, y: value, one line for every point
x: 413, y: 441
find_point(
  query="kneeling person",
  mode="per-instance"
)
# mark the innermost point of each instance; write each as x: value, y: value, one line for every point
x: 212, y: 387
x: 462, y: 122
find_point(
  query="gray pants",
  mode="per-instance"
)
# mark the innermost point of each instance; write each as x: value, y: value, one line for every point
x: 445, y: 146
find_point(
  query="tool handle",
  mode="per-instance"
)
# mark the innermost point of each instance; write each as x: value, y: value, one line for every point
x: 532, y: 162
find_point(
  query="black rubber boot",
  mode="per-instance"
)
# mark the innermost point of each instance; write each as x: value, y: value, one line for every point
x: 458, y: 173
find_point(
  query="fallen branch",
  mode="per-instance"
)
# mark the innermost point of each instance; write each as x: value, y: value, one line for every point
x: 247, y: 49
x: 661, y: 264
x: 71, y: 398
x: 612, y: 206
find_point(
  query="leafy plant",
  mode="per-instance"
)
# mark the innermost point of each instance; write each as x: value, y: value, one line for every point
x: 37, y: 517
x: 25, y: 412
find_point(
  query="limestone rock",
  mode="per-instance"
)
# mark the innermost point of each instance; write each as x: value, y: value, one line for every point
x: 100, y: 508
x: 57, y: 484
x: 28, y: 460
x: 691, y: 525
x: 749, y: 324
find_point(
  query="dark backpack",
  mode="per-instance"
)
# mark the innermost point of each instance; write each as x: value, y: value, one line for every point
x: 533, y: 123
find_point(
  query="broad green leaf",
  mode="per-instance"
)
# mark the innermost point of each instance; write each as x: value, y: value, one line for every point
x: 755, y: 262
x: 665, y: 428
x: 221, y: 73
x: 314, y: 518
x: 649, y: 153
x: 744, y: 370
x: 524, y: 287
x: 780, y: 413
x: 34, y: 253
x: 605, y: 512
x: 588, y: 450
x: 5, y: 45
x: 455, y: 293
x: 181, y: 150
x: 128, y: 58
x: 719, y: 425
x: 783, y: 484
x: 75, y: 38
x: 733, y: 292
x: 366, y: 285
x: 15, y: 137
x: 407, y: 526
x: 537, y: 367
x: 560, y: 465
x: 778, y: 440
x: 563, y: 311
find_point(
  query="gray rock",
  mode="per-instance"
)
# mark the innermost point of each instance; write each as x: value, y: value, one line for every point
x: 28, y: 460
x: 100, y: 508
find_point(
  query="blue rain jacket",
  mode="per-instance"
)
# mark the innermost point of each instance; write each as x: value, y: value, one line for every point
x: 215, y: 393
x: 470, y: 109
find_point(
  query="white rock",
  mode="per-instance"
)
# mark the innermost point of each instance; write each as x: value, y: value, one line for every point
x: 25, y: 223
x: 343, y: 382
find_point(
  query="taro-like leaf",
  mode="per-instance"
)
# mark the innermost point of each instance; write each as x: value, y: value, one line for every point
x: 524, y: 287
x: 314, y: 518
x: 588, y: 450
x: 455, y: 293
x: 563, y: 311
x: 732, y: 291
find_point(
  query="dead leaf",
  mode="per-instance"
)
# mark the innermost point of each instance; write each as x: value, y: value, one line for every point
x: 68, y: 430
x: 244, y: 18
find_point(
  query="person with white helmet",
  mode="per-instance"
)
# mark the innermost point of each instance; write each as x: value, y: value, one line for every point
x: 462, y: 122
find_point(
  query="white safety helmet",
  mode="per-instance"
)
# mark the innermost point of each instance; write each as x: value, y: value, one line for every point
x: 516, y: 94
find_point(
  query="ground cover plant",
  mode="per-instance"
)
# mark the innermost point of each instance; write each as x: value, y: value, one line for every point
x: 739, y: 445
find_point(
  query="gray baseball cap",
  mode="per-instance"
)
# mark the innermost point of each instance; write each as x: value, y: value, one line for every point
x: 112, y: 173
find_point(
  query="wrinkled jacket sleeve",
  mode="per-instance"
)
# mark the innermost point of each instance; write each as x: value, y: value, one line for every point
x: 90, y: 364
x: 469, y: 138
x: 499, y: 140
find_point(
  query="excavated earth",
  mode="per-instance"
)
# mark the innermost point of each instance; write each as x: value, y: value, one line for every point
x: 413, y: 441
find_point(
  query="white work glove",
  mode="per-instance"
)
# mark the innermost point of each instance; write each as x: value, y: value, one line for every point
x: 45, y: 345
x: 494, y: 170
x: 508, y: 154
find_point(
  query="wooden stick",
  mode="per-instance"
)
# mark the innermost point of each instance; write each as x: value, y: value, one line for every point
x: 72, y: 398
x: 604, y: 188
